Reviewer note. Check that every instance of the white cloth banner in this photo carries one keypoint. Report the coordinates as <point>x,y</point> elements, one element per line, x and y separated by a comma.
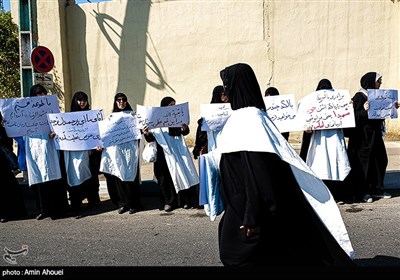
<point>168,116</point>
<point>76,131</point>
<point>27,116</point>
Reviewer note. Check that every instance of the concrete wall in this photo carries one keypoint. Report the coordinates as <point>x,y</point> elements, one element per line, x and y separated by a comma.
<point>151,49</point>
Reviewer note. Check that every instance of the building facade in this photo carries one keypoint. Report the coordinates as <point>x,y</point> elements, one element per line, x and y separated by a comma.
<point>151,49</point>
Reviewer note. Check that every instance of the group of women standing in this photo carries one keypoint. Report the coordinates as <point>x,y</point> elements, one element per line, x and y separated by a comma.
<point>355,172</point>
<point>266,189</point>
<point>57,176</point>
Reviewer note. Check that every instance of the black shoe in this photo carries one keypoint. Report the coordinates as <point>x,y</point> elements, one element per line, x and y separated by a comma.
<point>78,216</point>
<point>139,208</point>
<point>41,216</point>
<point>3,220</point>
<point>76,208</point>
<point>122,210</point>
<point>58,216</point>
<point>132,211</point>
<point>186,206</point>
<point>90,206</point>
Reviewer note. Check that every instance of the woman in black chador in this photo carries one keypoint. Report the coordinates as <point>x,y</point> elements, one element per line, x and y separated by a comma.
<point>120,165</point>
<point>268,219</point>
<point>174,169</point>
<point>12,205</point>
<point>366,148</point>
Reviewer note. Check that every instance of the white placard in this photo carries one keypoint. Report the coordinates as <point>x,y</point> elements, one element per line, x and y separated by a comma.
<point>214,115</point>
<point>282,110</point>
<point>76,131</point>
<point>382,104</point>
<point>118,128</point>
<point>326,109</point>
<point>168,116</point>
<point>27,116</point>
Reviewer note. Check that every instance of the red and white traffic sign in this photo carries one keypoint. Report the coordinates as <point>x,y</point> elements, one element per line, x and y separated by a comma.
<point>42,59</point>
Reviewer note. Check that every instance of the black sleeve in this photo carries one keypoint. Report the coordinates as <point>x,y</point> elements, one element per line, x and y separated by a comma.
<point>360,114</point>
<point>200,142</point>
<point>185,132</point>
<point>149,137</point>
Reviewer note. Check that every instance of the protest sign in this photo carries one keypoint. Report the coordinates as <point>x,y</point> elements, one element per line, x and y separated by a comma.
<point>382,104</point>
<point>76,131</point>
<point>168,116</point>
<point>214,115</point>
<point>118,128</point>
<point>282,110</point>
<point>326,109</point>
<point>28,115</point>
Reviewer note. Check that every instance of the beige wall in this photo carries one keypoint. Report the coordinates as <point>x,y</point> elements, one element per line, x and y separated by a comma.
<point>150,49</point>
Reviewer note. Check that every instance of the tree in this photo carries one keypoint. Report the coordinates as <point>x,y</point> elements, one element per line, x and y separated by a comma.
<point>10,82</point>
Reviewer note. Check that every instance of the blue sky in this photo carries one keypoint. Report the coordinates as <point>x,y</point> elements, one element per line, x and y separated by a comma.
<point>6,3</point>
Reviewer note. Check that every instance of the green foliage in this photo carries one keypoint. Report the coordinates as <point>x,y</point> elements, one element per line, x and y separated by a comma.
<point>10,86</point>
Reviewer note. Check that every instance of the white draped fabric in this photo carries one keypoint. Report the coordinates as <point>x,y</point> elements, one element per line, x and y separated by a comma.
<point>42,159</point>
<point>121,160</point>
<point>210,184</point>
<point>77,167</point>
<point>327,155</point>
<point>180,164</point>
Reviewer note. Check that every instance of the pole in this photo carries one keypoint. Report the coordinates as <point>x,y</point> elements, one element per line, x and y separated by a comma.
<point>27,24</point>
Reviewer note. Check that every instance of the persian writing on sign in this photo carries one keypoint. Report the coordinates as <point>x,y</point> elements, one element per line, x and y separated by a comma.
<point>214,115</point>
<point>282,110</point>
<point>76,131</point>
<point>118,128</point>
<point>168,116</point>
<point>28,115</point>
<point>326,109</point>
<point>382,104</point>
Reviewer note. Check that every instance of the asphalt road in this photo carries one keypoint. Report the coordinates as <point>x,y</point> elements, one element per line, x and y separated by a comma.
<point>183,242</point>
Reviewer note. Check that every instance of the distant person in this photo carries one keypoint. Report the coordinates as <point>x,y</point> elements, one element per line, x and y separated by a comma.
<point>272,91</point>
<point>22,157</point>
<point>277,212</point>
<point>305,142</point>
<point>120,165</point>
<point>174,169</point>
<point>12,205</point>
<point>366,148</point>
<point>77,166</point>
<point>205,151</point>
<point>327,154</point>
<point>44,171</point>
<point>202,143</point>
